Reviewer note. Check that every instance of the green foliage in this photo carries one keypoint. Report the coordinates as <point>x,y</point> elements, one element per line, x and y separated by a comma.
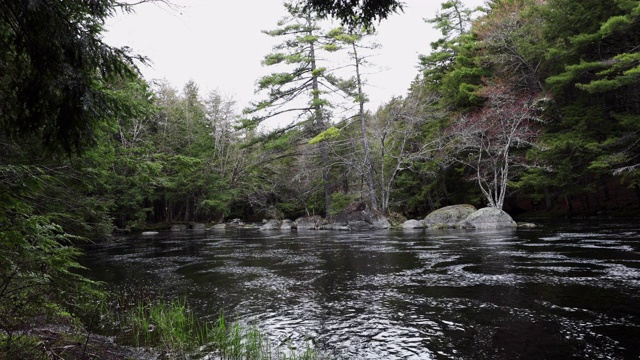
<point>56,70</point>
<point>331,133</point>
<point>38,268</point>
<point>354,13</point>
<point>174,327</point>
<point>339,201</point>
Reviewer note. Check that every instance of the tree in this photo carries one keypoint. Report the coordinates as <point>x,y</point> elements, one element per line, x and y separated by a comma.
<point>301,48</point>
<point>454,69</point>
<point>56,70</point>
<point>354,89</point>
<point>511,43</point>
<point>603,62</point>
<point>398,130</point>
<point>591,62</point>
<point>454,23</point>
<point>488,138</point>
<point>354,13</point>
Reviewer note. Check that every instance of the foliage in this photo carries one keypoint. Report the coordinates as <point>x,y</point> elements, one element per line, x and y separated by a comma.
<point>174,327</point>
<point>487,140</point>
<point>354,13</point>
<point>38,278</point>
<point>339,201</point>
<point>56,70</point>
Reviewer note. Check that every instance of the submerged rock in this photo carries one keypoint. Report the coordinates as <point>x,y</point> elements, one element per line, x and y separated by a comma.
<point>178,227</point>
<point>527,225</point>
<point>448,216</point>
<point>487,218</point>
<point>198,226</point>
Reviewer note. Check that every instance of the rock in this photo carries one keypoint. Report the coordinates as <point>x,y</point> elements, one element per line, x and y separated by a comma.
<point>309,223</point>
<point>360,216</point>
<point>448,216</point>
<point>396,219</point>
<point>198,226</point>
<point>286,225</point>
<point>413,224</point>
<point>218,227</point>
<point>487,218</point>
<point>178,227</point>
<point>149,233</point>
<point>334,226</point>
<point>527,225</point>
<point>271,225</point>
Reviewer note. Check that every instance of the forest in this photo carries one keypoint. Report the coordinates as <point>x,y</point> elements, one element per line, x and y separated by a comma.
<point>532,106</point>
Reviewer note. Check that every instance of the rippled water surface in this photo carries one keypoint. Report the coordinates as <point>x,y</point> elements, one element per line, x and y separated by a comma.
<point>559,291</point>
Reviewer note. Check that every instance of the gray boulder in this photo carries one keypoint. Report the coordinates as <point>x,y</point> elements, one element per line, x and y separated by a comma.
<point>448,216</point>
<point>487,218</point>
<point>360,216</point>
<point>413,224</point>
<point>286,225</point>
<point>218,227</point>
<point>309,223</point>
<point>271,225</point>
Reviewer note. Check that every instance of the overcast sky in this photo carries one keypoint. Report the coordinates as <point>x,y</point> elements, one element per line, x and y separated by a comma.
<point>219,44</point>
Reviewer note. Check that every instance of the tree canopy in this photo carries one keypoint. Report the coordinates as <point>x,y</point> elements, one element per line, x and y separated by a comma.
<point>56,70</point>
<point>354,13</point>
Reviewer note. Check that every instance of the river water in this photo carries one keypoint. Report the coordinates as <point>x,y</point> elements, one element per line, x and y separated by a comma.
<point>559,291</point>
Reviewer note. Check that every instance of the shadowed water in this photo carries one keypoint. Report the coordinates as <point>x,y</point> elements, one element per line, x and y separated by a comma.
<point>556,292</point>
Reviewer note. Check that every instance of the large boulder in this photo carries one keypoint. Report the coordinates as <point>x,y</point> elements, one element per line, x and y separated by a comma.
<point>286,224</point>
<point>360,216</point>
<point>488,218</point>
<point>448,216</point>
<point>218,226</point>
<point>413,224</point>
<point>271,225</point>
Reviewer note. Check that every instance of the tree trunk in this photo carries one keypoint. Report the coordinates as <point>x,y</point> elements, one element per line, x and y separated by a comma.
<point>324,157</point>
<point>365,143</point>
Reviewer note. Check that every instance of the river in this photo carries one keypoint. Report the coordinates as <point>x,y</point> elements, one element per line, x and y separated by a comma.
<point>559,291</point>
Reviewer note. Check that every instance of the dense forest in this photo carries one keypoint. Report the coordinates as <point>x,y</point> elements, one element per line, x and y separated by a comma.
<point>527,105</point>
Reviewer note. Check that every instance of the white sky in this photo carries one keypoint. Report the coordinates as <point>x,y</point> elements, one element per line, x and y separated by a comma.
<point>219,44</point>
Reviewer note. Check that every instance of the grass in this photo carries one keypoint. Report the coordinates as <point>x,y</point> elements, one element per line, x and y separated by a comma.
<point>172,327</point>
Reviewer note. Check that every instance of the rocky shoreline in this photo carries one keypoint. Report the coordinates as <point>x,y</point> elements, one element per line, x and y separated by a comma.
<point>360,216</point>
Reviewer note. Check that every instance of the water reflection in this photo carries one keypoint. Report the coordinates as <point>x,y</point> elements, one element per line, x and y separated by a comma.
<point>554,292</point>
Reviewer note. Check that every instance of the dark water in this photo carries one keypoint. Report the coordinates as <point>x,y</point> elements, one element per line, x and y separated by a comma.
<point>561,291</point>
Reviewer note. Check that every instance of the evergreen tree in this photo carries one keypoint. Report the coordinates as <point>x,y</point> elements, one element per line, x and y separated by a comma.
<point>300,49</point>
<point>55,70</point>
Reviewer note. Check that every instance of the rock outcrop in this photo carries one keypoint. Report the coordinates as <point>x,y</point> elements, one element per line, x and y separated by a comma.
<point>413,224</point>
<point>309,223</point>
<point>360,216</point>
<point>487,218</point>
<point>448,216</point>
<point>271,225</point>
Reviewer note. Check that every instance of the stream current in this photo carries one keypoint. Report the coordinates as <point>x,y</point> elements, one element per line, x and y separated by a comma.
<point>559,291</point>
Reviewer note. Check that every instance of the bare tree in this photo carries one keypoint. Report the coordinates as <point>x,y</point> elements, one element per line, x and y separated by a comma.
<point>486,140</point>
<point>401,143</point>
